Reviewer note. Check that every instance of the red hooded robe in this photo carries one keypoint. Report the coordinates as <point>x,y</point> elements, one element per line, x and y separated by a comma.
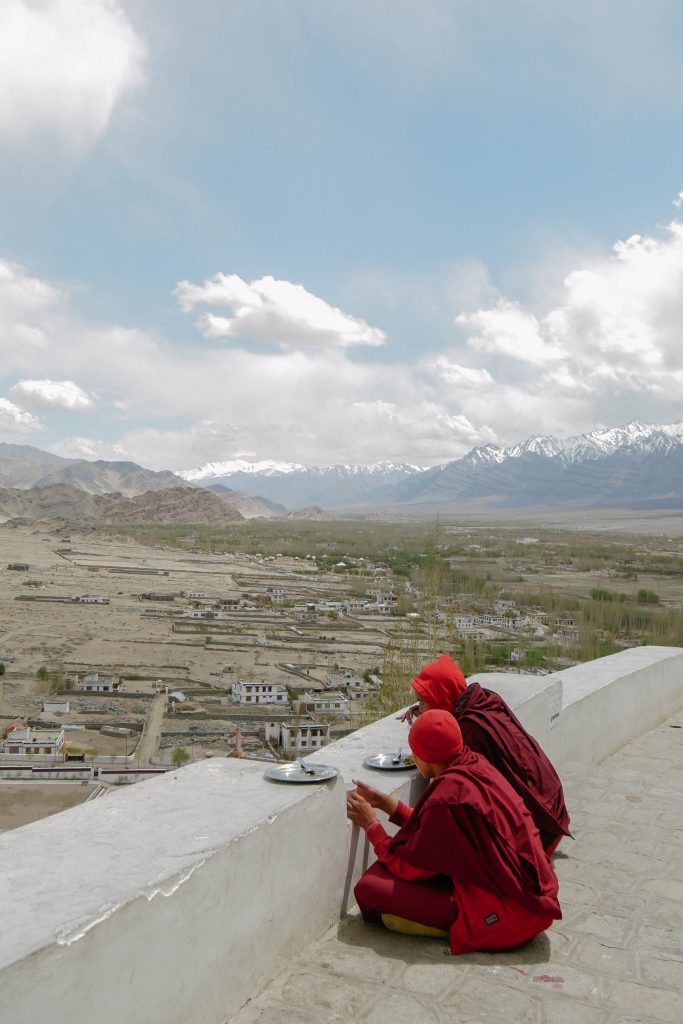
<point>490,728</point>
<point>470,826</point>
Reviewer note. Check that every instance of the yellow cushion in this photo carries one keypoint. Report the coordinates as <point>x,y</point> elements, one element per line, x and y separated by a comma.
<point>405,927</point>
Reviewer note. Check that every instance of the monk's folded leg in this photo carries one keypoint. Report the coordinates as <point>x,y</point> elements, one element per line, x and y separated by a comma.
<point>379,892</point>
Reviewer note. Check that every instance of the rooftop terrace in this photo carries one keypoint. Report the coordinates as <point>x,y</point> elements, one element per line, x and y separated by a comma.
<point>615,958</point>
<point>208,895</point>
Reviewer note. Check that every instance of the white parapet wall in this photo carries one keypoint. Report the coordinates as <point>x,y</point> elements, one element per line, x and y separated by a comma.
<point>608,702</point>
<point>174,901</point>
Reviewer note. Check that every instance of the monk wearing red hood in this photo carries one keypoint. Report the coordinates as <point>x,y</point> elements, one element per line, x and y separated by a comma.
<point>490,728</point>
<point>467,861</point>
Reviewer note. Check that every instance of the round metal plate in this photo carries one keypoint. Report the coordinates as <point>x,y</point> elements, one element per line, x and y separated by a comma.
<point>390,762</point>
<point>294,772</point>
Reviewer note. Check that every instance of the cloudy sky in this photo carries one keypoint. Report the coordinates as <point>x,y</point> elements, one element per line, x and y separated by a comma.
<point>340,231</point>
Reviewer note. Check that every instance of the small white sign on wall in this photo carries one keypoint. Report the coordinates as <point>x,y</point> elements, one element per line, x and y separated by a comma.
<point>554,707</point>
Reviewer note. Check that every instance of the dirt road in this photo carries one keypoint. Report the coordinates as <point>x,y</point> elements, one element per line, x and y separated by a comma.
<point>149,741</point>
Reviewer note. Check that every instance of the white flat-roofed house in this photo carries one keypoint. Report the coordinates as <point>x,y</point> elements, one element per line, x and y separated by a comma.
<point>263,692</point>
<point>496,621</point>
<point>352,685</point>
<point>90,599</point>
<point>326,703</point>
<point>95,683</point>
<point>349,683</point>
<point>198,594</point>
<point>278,595</point>
<point>300,736</point>
<point>28,742</point>
<point>202,613</point>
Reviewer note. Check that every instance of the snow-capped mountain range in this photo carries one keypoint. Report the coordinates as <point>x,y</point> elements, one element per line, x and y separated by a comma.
<point>636,464</point>
<point>594,445</point>
<point>218,470</point>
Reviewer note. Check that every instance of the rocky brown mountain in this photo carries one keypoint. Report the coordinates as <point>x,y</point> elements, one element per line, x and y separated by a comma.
<point>22,466</point>
<point>64,501</point>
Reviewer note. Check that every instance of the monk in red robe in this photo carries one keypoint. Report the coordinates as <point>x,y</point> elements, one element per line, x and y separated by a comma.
<point>490,728</point>
<point>467,860</point>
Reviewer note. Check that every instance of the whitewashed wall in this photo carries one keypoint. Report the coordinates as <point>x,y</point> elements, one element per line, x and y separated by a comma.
<point>176,900</point>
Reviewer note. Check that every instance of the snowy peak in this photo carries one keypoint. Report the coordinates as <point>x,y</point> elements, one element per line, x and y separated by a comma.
<point>485,455</point>
<point>212,470</point>
<point>605,441</point>
<point>373,469</point>
<point>596,444</point>
<point>538,445</point>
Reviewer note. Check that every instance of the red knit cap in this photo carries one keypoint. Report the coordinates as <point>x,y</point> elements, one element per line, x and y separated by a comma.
<point>435,737</point>
<point>440,683</point>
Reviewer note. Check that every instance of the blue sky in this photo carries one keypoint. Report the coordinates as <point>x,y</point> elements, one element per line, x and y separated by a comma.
<point>412,210</point>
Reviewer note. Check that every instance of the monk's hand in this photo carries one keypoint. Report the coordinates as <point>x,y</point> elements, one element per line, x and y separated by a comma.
<point>375,797</point>
<point>409,714</point>
<point>359,810</point>
<point>369,793</point>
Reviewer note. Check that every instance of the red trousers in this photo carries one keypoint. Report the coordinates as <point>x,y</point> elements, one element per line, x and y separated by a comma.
<point>379,892</point>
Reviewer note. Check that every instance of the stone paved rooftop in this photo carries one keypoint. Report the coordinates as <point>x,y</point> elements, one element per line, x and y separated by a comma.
<point>615,958</point>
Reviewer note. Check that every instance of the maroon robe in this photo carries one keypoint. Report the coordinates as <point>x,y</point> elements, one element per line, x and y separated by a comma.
<point>489,727</point>
<point>472,827</point>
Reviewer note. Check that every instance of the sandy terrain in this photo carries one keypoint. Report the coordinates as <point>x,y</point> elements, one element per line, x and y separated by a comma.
<point>23,802</point>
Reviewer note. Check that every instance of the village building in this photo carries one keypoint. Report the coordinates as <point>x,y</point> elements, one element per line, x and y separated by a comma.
<point>326,703</point>
<point>95,683</point>
<point>202,613</point>
<point>90,599</point>
<point>199,594</point>
<point>349,683</point>
<point>26,742</point>
<point>300,736</point>
<point>19,566</point>
<point>263,692</point>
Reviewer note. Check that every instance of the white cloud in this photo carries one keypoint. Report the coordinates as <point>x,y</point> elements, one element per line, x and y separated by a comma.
<point>461,376</point>
<point>276,311</point>
<point>87,448</point>
<point>613,332</point>
<point>14,420</point>
<point>508,330</point>
<point>604,348</point>
<point>52,394</point>
<point>20,293</point>
<point>64,66</point>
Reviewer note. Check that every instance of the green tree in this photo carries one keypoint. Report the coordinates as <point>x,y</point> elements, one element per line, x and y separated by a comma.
<point>180,757</point>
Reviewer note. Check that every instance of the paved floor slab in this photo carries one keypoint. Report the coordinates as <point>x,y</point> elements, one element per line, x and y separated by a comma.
<point>616,957</point>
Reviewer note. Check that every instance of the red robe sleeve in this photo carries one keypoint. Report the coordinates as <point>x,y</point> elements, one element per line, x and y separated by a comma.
<point>392,861</point>
<point>401,814</point>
